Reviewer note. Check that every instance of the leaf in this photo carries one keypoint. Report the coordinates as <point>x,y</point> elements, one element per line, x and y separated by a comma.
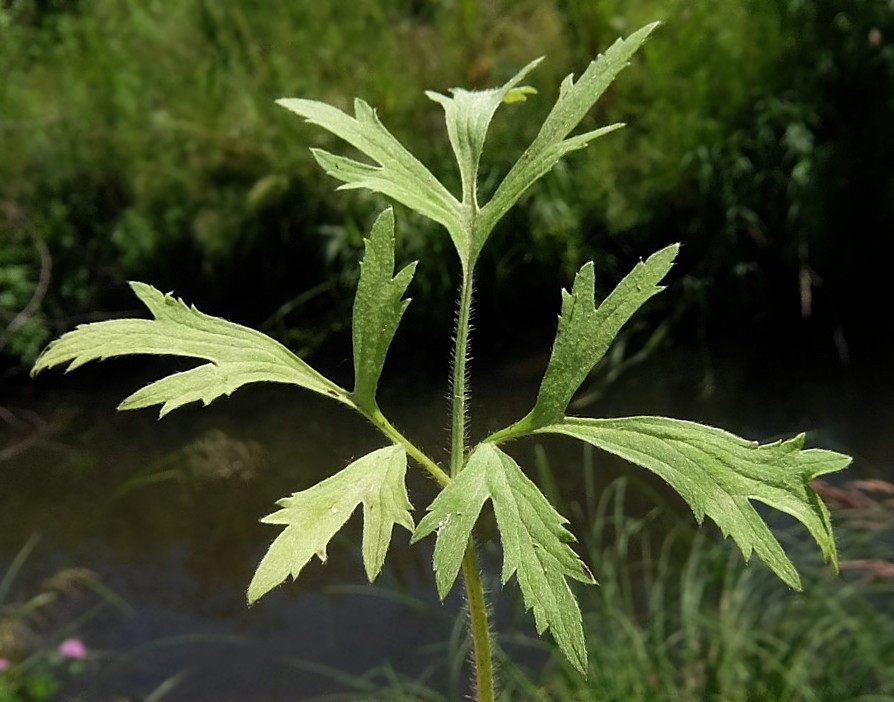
<point>313,516</point>
<point>550,144</point>
<point>586,331</point>
<point>468,115</point>
<point>378,308</point>
<point>398,175</point>
<point>238,355</point>
<point>719,474</point>
<point>535,542</point>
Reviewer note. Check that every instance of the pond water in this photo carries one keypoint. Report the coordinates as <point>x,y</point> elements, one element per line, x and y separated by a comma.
<point>166,512</point>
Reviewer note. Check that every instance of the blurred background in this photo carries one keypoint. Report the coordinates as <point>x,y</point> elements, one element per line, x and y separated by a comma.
<point>139,140</point>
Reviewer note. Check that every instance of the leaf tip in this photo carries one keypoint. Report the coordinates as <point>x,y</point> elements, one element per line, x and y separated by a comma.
<point>39,365</point>
<point>262,582</point>
<point>669,253</point>
<point>255,592</point>
<point>644,32</point>
<point>444,584</point>
<point>436,97</point>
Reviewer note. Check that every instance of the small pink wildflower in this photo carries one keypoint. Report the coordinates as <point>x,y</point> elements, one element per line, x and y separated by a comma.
<point>72,649</point>
<point>4,664</point>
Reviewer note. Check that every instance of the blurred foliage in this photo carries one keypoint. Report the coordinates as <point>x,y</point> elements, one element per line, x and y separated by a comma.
<point>37,658</point>
<point>680,616</point>
<point>140,141</point>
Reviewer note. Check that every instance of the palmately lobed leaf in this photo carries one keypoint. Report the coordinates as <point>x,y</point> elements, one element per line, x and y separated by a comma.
<point>720,474</point>
<point>238,355</point>
<point>378,308</point>
<point>313,516</point>
<point>535,542</point>
<point>396,173</point>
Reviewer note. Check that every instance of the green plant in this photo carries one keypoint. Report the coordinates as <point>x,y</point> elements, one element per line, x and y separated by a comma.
<point>37,655</point>
<point>717,473</point>
<point>678,605</point>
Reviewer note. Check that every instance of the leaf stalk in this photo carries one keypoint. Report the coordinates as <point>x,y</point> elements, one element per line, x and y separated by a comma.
<point>380,421</point>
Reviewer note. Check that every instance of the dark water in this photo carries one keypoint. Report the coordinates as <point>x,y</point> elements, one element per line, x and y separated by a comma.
<point>166,512</point>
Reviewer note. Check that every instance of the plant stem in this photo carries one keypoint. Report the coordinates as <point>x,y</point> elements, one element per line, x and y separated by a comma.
<point>481,644</point>
<point>459,390</point>
<point>381,422</point>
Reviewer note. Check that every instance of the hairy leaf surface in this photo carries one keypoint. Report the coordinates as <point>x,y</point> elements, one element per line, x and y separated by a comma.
<point>399,174</point>
<point>586,331</point>
<point>468,114</point>
<point>378,308</point>
<point>720,474</point>
<point>312,517</point>
<point>238,355</point>
<point>550,144</point>
<point>535,542</point>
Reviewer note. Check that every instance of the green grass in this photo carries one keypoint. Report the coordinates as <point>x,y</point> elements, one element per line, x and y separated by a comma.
<point>680,617</point>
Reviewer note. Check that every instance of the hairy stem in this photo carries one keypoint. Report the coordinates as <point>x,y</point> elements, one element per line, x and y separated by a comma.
<point>458,385</point>
<point>478,619</point>
<point>481,644</point>
<point>387,428</point>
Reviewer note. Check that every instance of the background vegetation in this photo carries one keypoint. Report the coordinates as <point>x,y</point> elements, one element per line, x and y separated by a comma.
<point>679,617</point>
<point>139,139</point>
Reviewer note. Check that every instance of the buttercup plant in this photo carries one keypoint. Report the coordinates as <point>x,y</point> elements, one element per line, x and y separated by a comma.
<point>717,473</point>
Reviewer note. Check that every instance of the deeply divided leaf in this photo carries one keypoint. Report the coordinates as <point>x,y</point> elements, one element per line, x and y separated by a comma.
<point>468,114</point>
<point>312,517</point>
<point>535,542</point>
<point>720,474</point>
<point>378,308</point>
<point>586,331</point>
<point>552,142</point>
<point>238,355</point>
<point>396,172</point>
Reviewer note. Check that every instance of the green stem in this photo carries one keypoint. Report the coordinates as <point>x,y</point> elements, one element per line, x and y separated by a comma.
<point>381,422</point>
<point>523,426</point>
<point>481,643</point>
<point>459,390</point>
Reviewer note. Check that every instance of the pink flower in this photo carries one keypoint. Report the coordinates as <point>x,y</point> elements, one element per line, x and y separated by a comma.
<point>72,649</point>
<point>4,664</point>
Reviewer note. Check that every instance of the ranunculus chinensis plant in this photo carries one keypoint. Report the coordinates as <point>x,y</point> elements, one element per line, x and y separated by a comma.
<point>718,474</point>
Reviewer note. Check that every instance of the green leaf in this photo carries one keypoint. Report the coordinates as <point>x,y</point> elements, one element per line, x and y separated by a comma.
<point>313,516</point>
<point>586,331</point>
<point>398,175</point>
<point>535,542</point>
<point>468,115</point>
<point>719,474</point>
<point>238,355</point>
<point>550,145</point>
<point>378,308</point>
